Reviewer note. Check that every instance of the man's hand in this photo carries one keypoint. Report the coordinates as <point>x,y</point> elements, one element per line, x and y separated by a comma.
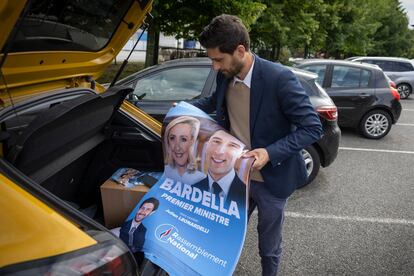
<point>261,156</point>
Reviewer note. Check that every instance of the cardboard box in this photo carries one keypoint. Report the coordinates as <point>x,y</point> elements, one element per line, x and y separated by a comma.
<point>118,201</point>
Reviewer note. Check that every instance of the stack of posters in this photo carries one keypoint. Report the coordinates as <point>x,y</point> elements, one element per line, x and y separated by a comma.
<point>193,221</point>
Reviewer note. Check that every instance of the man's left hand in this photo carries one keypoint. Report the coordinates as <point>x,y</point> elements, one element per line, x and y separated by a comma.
<point>261,156</point>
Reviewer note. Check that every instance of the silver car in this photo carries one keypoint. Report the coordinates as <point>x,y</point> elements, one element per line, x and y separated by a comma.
<point>399,70</point>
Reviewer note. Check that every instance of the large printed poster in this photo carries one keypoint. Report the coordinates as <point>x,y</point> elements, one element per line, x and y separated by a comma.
<point>194,219</point>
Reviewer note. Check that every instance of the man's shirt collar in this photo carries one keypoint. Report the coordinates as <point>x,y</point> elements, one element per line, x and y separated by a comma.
<point>248,79</point>
<point>134,223</point>
<point>224,182</point>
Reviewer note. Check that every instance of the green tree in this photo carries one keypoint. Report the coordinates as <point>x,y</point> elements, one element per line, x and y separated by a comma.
<point>392,37</point>
<point>186,19</point>
<point>352,33</point>
<point>294,24</point>
<point>270,32</point>
<point>306,19</point>
<point>336,28</point>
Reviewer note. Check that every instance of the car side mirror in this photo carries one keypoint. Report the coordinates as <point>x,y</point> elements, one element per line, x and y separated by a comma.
<point>135,98</point>
<point>140,97</point>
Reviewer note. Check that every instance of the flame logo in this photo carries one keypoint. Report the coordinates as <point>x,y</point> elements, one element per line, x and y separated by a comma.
<point>166,233</point>
<point>163,231</point>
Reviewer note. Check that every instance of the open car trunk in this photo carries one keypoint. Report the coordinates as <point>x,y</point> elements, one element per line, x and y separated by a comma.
<point>70,147</point>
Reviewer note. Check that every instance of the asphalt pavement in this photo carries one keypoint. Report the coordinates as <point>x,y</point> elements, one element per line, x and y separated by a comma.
<point>357,217</point>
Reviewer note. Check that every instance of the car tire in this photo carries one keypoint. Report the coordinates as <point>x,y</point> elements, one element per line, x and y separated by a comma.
<point>375,124</point>
<point>404,89</point>
<point>312,163</point>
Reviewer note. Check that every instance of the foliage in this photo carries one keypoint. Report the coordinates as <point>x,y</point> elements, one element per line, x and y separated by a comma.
<point>351,35</point>
<point>392,36</point>
<point>329,28</point>
<point>186,19</point>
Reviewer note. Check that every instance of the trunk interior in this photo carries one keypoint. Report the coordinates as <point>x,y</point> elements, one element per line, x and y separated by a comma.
<point>71,147</point>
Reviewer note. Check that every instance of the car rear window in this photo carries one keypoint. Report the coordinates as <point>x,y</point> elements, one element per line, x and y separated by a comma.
<point>392,66</point>
<point>310,87</point>
<point>403,67</point>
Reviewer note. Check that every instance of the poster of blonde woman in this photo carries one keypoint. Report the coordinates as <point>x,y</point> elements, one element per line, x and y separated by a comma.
<point>180,138</point>
<point>200,224</point>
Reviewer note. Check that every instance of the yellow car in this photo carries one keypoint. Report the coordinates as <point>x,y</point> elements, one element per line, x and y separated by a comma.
<point>62,135</point>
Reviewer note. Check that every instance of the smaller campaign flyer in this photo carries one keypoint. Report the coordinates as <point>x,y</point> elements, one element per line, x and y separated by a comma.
<point>193,220</point>
<point>129,177</point>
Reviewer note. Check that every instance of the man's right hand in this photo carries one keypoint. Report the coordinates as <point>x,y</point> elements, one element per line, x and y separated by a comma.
<point>261,157</point>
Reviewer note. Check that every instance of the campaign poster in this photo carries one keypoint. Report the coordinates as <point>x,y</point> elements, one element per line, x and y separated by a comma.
<point>193,220</point>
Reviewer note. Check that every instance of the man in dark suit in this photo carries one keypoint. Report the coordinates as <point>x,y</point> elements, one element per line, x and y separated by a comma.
<point>263,104</point>
<point>222,151</point>
<point>132,232</point>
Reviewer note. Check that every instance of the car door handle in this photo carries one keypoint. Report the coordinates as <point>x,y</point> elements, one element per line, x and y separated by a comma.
<point>364,95</point>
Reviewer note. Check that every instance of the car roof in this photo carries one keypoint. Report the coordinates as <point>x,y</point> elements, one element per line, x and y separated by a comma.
<point>383,58</point>
<point>195,60</point>
<point>202,61</point>
<point>339,62</point>
<point>178,62</point>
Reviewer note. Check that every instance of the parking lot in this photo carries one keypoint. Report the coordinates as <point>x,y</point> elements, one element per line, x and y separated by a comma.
<point>357,217</point>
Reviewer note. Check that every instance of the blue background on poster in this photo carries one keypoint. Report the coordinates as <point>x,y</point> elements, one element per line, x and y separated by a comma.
<point>184,242</point>
<point>180,238</point>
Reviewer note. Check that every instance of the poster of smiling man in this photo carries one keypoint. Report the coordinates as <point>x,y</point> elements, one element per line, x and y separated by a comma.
<point>200,222</point>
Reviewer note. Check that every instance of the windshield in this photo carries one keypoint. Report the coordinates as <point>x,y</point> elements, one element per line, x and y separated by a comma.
<point>69,25</point>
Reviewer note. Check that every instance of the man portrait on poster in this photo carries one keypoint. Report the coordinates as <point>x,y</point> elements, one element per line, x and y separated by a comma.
<point>132,232</point>
<point>222,151</point>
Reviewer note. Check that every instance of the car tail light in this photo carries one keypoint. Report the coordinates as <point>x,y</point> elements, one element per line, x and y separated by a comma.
<point>394,90</point>
<point>330,112</point>
<point>395,93</point>
<point>99,260</point>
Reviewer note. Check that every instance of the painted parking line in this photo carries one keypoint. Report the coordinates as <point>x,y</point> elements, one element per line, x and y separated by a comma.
<point>351,218</point>
<point>404,124</point>
<point>377,150</point>
<point>412,110</point>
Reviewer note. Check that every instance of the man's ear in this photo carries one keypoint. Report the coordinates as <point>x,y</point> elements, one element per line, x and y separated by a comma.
<point>240,51</point>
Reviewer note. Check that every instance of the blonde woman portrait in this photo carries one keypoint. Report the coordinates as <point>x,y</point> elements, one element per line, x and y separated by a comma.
<point>180,157</point>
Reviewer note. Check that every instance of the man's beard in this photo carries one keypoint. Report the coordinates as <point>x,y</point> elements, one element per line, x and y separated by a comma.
<point>235,69</point>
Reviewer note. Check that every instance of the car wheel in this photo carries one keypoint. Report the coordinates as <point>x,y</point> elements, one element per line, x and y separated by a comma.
<point>404,90</point>
<point>375,124</point>
<point>312,163</point>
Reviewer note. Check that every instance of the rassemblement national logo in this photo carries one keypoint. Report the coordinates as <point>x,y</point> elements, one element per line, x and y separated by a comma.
<point>168,233</point>
<point>163,231</point>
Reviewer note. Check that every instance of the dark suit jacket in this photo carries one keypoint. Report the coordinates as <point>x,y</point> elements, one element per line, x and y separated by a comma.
<point>282,120</point>
<point>138,238</point>
<point>237,191</point>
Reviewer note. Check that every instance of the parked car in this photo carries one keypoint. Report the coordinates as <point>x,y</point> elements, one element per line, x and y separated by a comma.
<point>362,93</point>
<point>400,71</point>
<point>158,87</point>
<point>62,136</point>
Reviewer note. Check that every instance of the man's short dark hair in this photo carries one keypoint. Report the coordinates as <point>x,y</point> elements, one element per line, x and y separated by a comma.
<point>225,32</point>
<point>152,200</point>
